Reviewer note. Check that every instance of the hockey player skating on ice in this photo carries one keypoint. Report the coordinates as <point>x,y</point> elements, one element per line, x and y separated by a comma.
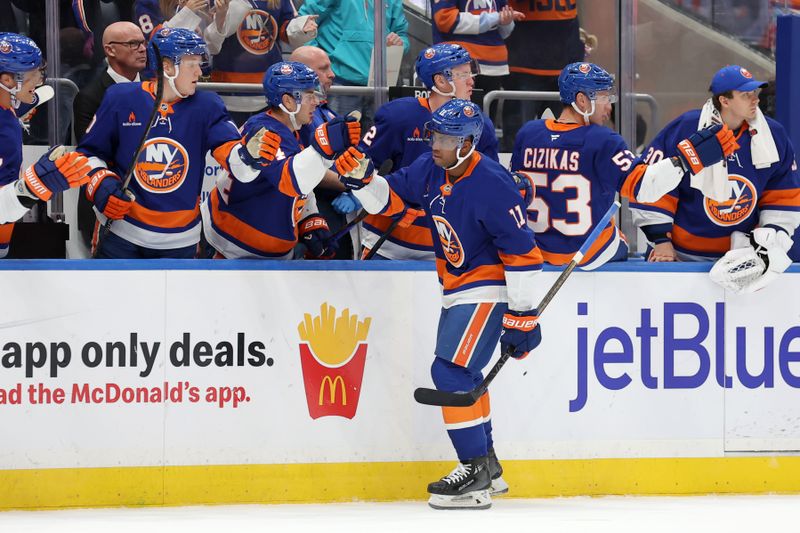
<point>263,218</point>
<point>57,170</point>
<point>486,259</point>
<point>160,214</point>
<point>578,165</point>
<point>743,210</point>
<point>448,71</point>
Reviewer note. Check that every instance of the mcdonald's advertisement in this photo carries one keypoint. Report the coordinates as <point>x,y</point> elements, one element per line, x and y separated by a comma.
<point>194,367</point>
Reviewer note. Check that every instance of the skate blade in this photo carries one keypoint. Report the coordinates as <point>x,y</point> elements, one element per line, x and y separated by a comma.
<point>475,500</point>
<point>499,487</point>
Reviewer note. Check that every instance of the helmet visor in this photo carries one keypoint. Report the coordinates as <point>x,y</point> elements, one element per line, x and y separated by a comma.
<point>442,141</point>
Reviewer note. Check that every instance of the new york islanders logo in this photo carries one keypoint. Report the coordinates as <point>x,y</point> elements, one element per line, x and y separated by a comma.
<point>738,207</point>
<point>469,111</point>
<point>585,68</point>
<point>746,73</point>
<point>451,244</point>
<point>257,32</point>
<point>477,5</point>
<point>162,166</point>
<point>429,53</point>
<point>5,47</point>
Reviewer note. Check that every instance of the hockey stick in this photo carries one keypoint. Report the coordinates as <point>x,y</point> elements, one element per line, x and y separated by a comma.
<point>383,237</point>
<point>465,399</point>
<point>104,229</point>
<point>346,228</point>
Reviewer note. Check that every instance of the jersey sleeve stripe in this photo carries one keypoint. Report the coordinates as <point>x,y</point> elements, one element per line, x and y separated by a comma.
<point>222,152</point>
<point>288,184</point>
<point>780,198</point>
<point>629,186</point>
<point>446,19</point>
<point>532,260</point>
<point>667,204</point>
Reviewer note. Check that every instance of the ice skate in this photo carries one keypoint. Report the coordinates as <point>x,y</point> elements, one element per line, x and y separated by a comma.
<point>499,486</point>
<point>466,487</point>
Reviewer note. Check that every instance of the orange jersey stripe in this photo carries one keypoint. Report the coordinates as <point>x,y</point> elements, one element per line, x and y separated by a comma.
<point>495,54</point>
<point>459,415</point>
<point>562,259</point>
<point>223,151</point>
<point>412,234</point>
<point>481,273</point>
<point>164,219</point>
<point>629,186</point>
<point>5,232</point>
<point>237,77</point>
<point>246,233</point>
<point>667,203</point>
<point>552,125</point>
<point>533,257</point>
<point>486,408</point>
<point>473,333</point>
<point>688,241</point>
<point>445,19</point>
<point>286,185</point>
<point>780,197</point>
<point>535,71</point>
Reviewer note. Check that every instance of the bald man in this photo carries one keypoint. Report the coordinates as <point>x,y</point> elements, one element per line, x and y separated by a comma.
<point>126,52</point>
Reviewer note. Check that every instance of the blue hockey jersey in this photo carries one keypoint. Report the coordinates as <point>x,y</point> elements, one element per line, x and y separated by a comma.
<point>484,250</point>
<point>168,174</point>
<point>259,219</point>
<point>10,163</point>
<point>700,227</point>
<point>577,171</point>
<point>399,136</point>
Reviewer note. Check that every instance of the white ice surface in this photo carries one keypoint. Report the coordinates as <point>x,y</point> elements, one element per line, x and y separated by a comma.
<point>707,514</point>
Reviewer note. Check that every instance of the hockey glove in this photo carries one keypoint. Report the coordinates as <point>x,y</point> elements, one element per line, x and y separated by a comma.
<point>105,192</point>
<point>336,136</point>
<point>260,148</point>
<point>355,169</point>
<point>754,261</point>
<point>346,203</point>
<point>521,333</point>
<point>316,236</point>
<point>707,147</point>
<point>55,171</point>
<point>525,186</point>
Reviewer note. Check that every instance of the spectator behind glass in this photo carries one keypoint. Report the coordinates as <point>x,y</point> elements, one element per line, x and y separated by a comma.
<point>123,44</point>
<point>481,28</point>
<point>546,41</point>
<point>153,14</point>
<point>346,31</point>
<point>244,39</point>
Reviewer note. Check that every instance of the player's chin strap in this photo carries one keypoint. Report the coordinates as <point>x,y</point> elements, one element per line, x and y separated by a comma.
<point>584,115</point>
<point>13,92</point>
<point>292,114</point>
<point>452,93</point>
<point>460,159</point>
<point>171,81</point>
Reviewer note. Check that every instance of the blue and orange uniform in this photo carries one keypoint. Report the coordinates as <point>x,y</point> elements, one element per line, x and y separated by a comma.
<point>459,22</point>
<point>398,136</point>
<point>700,227</point>
<point>486,257</point>
<point>10,163</point>
<point>168,174</point>
<point>577,171</point>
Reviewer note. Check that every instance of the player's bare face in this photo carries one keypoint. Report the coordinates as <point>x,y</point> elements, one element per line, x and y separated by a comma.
<point>463,81</point>
<point>743,105</point>
<point>188,74</point>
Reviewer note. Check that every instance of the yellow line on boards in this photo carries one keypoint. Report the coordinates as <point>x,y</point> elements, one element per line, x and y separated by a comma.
<point>338,482</point>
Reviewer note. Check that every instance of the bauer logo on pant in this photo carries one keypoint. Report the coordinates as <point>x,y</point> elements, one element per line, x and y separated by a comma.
<point>162,166</point>
<point>333,352</point>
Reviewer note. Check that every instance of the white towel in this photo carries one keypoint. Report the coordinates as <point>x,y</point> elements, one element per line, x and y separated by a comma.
<point>713,181</point>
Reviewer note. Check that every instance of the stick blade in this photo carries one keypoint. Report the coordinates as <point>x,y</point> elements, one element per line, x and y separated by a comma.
<point>444,399</point>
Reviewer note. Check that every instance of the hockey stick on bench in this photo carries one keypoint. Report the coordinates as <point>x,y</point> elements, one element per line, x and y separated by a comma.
<point>465,399</point>
<point>158,97</point>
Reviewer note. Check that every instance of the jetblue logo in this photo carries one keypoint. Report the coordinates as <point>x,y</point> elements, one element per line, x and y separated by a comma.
<point>616,357</point>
